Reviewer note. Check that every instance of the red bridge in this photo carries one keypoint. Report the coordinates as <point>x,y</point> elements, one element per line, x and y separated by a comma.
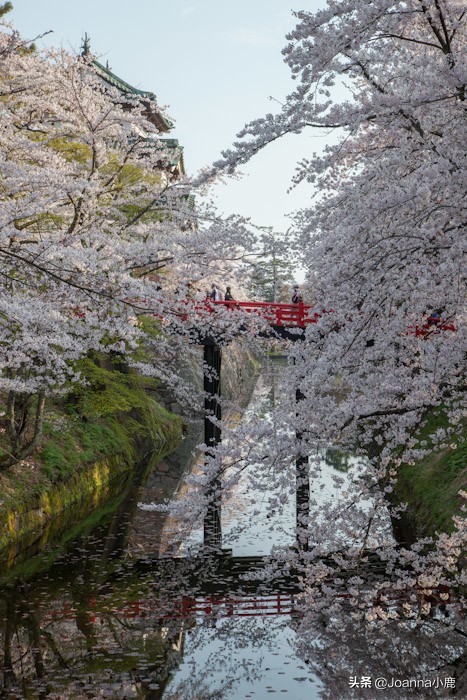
<point>276,313</point>
<point>300,315</point>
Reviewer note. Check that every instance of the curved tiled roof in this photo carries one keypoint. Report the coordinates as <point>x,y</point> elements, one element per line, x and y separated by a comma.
<point>153,114</point>
<point>149,98</point>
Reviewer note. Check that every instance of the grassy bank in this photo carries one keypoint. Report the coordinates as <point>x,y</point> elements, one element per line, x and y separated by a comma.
<point>431,486</point>
<point>94,434</point>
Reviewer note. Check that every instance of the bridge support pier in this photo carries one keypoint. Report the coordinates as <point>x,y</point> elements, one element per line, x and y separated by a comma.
<point>212,437</point>
<point>302,489</point>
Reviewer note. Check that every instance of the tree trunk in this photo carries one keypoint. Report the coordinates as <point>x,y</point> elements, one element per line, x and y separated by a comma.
<point>18,428</point>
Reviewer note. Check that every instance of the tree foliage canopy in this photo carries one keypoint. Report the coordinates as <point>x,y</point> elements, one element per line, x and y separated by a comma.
<point>95,232</point>
<point>384,245</point>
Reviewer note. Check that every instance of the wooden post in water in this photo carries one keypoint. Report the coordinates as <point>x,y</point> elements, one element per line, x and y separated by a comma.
<point>302,488</point>
<point>212,437</point>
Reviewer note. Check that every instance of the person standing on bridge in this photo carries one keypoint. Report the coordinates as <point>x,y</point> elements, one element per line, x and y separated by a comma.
<point>215,294</point>
<point>296,296</point>
<point>228,295</point>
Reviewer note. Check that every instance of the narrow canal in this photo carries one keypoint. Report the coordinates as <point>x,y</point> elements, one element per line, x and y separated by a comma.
<point>98,616</point>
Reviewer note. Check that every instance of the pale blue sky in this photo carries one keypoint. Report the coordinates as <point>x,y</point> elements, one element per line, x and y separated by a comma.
<point>215,63</point>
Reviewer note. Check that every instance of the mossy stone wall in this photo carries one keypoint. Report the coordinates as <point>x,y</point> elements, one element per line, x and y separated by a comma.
<point>431,488</point>
<point>93,438</point>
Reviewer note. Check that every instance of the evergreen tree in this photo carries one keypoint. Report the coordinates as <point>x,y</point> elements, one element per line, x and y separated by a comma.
<point>271,276</point>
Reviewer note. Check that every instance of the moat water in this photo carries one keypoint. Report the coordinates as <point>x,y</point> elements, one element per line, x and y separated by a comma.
<point>93,615</point>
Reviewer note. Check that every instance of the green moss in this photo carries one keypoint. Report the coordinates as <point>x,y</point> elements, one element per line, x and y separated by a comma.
<point>112,414</point>
<point>63,530</point>
<point>431,486</point>
<point>98,430</point>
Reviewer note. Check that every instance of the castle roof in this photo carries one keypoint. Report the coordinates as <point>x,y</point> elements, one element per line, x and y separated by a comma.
<point>149,99</point>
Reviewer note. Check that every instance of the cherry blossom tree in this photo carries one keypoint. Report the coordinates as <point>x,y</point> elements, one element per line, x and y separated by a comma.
<point>95,233</point>
<point>384,248</point>
<point>384,243</point>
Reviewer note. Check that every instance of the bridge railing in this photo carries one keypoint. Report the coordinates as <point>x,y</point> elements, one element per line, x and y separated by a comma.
<point>276,313</point>
<point>431,328</point>
<point>295,315</point>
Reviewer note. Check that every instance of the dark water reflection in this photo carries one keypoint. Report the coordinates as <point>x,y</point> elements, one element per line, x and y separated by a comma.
<point>103,617</point>
<point>99,625</point>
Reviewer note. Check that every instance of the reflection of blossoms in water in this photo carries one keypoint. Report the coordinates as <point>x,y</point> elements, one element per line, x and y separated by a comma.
<point>337,648</point>
<point>195,689</point>
<point>222,668</point>
<point>238,658</point>
<point>173,629</point>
